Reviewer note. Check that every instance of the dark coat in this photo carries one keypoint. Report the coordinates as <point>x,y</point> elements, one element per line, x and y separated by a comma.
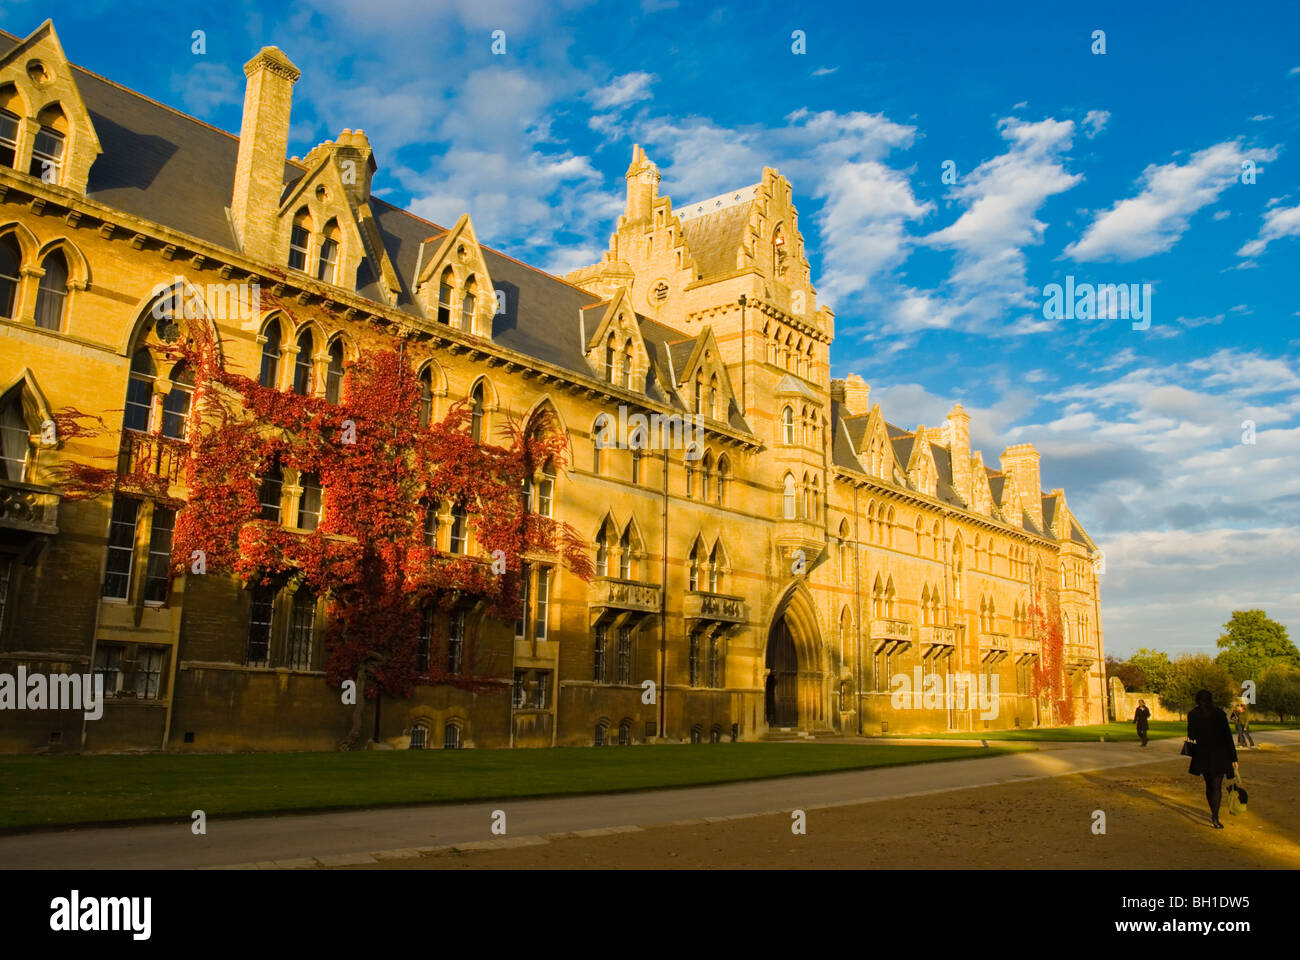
<point>1141,715</point>
<point>1215,750</point>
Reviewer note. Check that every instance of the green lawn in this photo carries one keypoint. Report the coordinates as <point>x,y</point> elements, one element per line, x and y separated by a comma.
<point>40,791</point>
<point>1118,732</point>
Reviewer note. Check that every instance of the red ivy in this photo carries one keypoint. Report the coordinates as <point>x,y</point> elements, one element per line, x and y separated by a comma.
<point>380,470</point>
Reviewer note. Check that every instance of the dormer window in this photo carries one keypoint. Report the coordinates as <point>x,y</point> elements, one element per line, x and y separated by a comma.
<point>627,366</point>
<point>299,237</point>
<point>444,297</point>
<point>47,155</point>
<point>610,354</point>
<point>328,261</point>
<point>467,312</point>
<point>8,138</point>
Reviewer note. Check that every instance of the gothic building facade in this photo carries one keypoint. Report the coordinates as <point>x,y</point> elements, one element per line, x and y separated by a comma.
<point>782,574</point>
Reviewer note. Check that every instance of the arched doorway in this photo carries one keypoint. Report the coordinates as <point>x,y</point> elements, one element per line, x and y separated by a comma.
<point>782,677</point>
<point>796,691</point>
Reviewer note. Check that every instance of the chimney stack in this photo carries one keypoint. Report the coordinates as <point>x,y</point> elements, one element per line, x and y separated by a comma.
<point>957,433</point>
<point>263,143</point>
<point>1021,462</point>
<point>857,395</point>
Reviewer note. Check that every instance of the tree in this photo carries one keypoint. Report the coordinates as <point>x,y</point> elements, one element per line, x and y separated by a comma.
<point>1251,643</point>
<point>1279,692</point>
<point>1195,672</point>
<point>1128,674</point>
<point>1154,666</point>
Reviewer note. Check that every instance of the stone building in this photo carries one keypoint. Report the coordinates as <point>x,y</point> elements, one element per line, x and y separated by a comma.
<point>778,583</point>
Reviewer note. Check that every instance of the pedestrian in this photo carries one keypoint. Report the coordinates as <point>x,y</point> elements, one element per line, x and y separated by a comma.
<point>1141,715</point>
<point>1245,725</point>
<point>1214,755</point>
<point>1239,721</point>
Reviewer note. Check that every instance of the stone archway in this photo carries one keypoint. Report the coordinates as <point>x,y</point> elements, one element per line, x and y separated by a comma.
<point>795,694</point>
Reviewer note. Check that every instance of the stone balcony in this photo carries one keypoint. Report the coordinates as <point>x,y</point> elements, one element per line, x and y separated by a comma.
<point>994,647</point>
<point>889,629</point>
<point>1078,654</point>
<point>28,507</point>
<point>610,596</point>
<point>152,456</point>
<point>939,636</point>
<point>714,607</point>
<point>1026,645</point>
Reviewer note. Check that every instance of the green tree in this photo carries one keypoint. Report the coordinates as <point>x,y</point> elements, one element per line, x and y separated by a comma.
<point>1251,643</point>
<point>1279,692</point>
<point>1195,672</point>
<point>1131,676</point>
<point>1154,666</point>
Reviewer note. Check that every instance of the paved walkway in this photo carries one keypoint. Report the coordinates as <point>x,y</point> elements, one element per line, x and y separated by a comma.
<point>363,835</point>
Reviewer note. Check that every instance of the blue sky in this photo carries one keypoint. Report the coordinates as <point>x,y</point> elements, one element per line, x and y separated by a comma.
<point>1123,168</point>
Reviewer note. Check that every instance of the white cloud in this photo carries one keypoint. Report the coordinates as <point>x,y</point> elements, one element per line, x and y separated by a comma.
<point>1279,222</point>
<point>206,87</point>
<point>622,90</point>
<point>1095,121</point>
<point>824,71</point>
<point>1154,220</point>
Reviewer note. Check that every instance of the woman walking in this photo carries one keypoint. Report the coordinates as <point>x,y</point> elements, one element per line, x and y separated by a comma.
<point>1215,755</point>
<point>1141,717</point>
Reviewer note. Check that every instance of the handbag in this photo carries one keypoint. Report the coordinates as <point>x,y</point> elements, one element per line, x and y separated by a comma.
<point>1189,748</point>
<point>1237,797</point>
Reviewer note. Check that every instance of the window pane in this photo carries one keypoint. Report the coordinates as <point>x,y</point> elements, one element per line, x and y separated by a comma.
<point>52,293</point>
<point>108,661</point>
<point>15,442</point>
<point>302,627</point>
<point>270,494</point>
<point>121,548</point>
<point>298,248</point>
<point>8,138</point>
<point>543,597</point>
<point>148,673</point>
<point>455,641</point>
<point>160,554</point>
<point>259,626</point>
<point>176,412</point>
<point>309,504</point>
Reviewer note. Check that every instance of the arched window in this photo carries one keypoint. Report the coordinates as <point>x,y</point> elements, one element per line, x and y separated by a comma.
<point>15,451</point>
<point>699,391</point>
<point>724,478</point>
<point>327,264</point>
<point>925,606</point>
<point>627,365</point>
<point>9,132</point>
<point>468,303</point>
<point>625,554</point>
<point>690,477</point>
<point>787,425</point>
<point>714,569</point>
<point>625,733</point>
<point>52,294</point>
<point>878,598</point>
<point>937,538</point>
<point>451,736</point>
<point>706,472</point>
<point>806,507</point>
<point>299,239</point>
<point>10,274</point>
<point>270,493</point>
<point>846,553</point>
<point>546,490</point>
<point>602,551</point>
<point>334,377</point>
<point>176,405</point>
<point>598,739</point>
<point>477,410</point>
<point>444,297</point>
<point>890,594</point>
<point>789,498</point>
<point>889,528</point>
<point>693,568</point>
<point>420,736</point>
<point>426,396</point>
<point>47,151</point>
<point>599,439</point>
<point>956,569</point>
<point>139,393</point>
<point>269,375</point>
<point>302,364</point>
<point>714,412</point>
<point>611,357</point>
<point>309,503</point>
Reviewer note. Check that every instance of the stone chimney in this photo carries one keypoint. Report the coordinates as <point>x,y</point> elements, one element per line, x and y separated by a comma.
<point>263,142</point>
<point>642,186</point>
<point>1021,461</point>
<point>957,433</point>
<point>857,395</point>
